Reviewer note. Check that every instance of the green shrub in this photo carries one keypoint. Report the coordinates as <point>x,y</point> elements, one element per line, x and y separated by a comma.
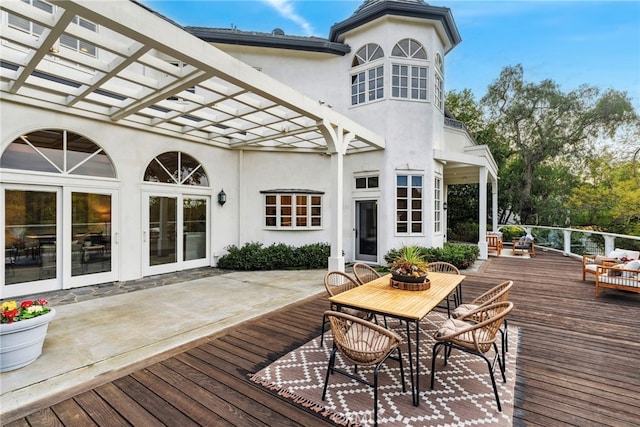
<point>278,256</point>
<point>464,232</point>
<point>313,256</point>
<point>510,232</point>
<point>459,254</point>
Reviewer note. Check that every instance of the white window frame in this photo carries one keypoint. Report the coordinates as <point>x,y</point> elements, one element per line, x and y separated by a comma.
<point>410,210</point>
<point>438,92</point>
<point>294,215</point>
<point>370,181</point>
<point>437,205</point>
<point>367,77</point>
<point>414,87</point>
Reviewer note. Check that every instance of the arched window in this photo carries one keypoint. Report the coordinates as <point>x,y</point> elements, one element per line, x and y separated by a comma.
<point>409,80</point>
<point>57,151</point>
<point>409,48</point>
<point>175,167</point>
<point>439,83</point>
<point>367,78</point>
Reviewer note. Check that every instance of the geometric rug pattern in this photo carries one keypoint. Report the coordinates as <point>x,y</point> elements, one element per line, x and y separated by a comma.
<point>462,395</point>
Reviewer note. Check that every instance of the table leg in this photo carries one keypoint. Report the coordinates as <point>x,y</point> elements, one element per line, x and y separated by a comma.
<point>416,397</point>
<point>415,379</point>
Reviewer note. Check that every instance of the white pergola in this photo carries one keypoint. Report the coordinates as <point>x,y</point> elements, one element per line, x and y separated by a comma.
<point>149,74</point>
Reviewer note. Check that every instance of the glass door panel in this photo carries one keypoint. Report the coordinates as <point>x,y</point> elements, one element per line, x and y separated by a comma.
<point>31,230</point>
<point>367,230</point>
<point>90,233</point>
<point>194,228</point>
<point>162,230</point>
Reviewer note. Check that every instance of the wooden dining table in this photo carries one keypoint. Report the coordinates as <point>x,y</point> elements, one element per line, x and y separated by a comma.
<point>379,297</point>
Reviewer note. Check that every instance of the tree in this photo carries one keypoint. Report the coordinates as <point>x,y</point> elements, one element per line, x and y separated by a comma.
<point>609,197</point>
<point>543,125</point>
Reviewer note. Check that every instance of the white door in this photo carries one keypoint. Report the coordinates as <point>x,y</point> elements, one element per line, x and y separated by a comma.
<point>57,238</point>
<point>176,232</point>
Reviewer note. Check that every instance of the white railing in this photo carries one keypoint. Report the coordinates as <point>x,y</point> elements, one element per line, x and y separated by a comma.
<point>575,242</point>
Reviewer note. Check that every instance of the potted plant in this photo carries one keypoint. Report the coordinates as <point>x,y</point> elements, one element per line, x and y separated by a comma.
<point>23,328</point>
<point>409,265</point>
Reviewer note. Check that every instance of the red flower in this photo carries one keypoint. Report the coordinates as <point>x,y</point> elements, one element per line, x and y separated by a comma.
<point>26,304</point>
<point>10,315</point>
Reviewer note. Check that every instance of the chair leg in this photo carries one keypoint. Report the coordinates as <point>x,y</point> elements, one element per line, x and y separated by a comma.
<point>434,355</point>
<point>332,361</point>
<point>493,380</point>
<point>324,322</point>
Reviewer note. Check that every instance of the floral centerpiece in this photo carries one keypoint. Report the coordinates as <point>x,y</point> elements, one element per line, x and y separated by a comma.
<point>409,265</point>
<point>12,312</point>
<point>23,329</point>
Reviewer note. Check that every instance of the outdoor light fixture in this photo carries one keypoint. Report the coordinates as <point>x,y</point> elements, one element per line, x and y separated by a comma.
<point>222,198</point>
<point>444,206</point>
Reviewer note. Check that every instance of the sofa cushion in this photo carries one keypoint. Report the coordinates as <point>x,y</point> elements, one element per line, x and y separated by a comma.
<point>618,253</point>
<point>630,254</point>
<point>633,265</point>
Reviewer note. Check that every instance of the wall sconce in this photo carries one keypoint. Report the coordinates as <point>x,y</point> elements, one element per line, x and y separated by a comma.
<point>222,198</point>
<point>444,206</point>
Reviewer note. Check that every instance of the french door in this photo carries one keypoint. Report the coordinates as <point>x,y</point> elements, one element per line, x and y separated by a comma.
<point>57,238</point>
<point>176,232</point>
<point>366,239</point>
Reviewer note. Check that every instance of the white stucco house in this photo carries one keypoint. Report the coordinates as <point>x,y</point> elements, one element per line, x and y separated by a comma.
<point>132,146</point>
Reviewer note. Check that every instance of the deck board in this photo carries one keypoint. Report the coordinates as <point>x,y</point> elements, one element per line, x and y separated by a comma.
<point>577,362</point>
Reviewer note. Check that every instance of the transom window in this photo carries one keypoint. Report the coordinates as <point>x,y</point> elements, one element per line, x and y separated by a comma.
<point>366,182</point>
<point>292,209</point>
<point>367,84</point>
<point>409,204</point>
<point>409,48</point>
<point>175,167</point>
<point>57,151</point>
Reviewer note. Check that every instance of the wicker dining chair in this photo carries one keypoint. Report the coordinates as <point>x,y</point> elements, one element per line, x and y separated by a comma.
<point>362,343</point>
<point>364,273</point>
<point>336,282</point>
<point>474,333</point>
<point>445,267</point>
<point>499,293</point>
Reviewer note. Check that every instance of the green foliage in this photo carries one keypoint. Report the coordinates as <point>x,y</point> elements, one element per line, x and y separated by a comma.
<point>313,256</point>
<point>544,125</point>
<point>278,256</point>
<point>609,197</point>
<point>510,232</point>
<point>461,255</point>
<point>464,231</point>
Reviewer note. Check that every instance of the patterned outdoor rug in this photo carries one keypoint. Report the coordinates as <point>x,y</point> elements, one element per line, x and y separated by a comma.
<point>462,395</point>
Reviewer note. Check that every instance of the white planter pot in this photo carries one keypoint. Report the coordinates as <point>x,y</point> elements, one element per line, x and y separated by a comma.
<point>21,342</point>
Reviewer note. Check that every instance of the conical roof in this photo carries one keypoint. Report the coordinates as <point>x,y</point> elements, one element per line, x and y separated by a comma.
<point>367,3</point>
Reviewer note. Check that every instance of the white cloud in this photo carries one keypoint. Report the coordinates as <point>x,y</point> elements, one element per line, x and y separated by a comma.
<point>287,10</point>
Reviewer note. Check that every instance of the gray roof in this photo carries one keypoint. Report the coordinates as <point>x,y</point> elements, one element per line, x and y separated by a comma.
<point>276,39</point>
<point>371,10</point>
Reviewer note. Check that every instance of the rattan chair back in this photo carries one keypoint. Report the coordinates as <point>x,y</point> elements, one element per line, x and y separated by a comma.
<point>484,325</point>
<point>498,293</point>
<point>336,282</point>
<point>361,342</point>
<point>364,273</point>
<point>443,267</point>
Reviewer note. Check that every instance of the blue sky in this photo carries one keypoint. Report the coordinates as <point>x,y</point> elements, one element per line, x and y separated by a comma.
<point>570,42</point>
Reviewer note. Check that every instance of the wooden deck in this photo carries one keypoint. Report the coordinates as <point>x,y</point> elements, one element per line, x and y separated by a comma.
<point>578,361</point>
